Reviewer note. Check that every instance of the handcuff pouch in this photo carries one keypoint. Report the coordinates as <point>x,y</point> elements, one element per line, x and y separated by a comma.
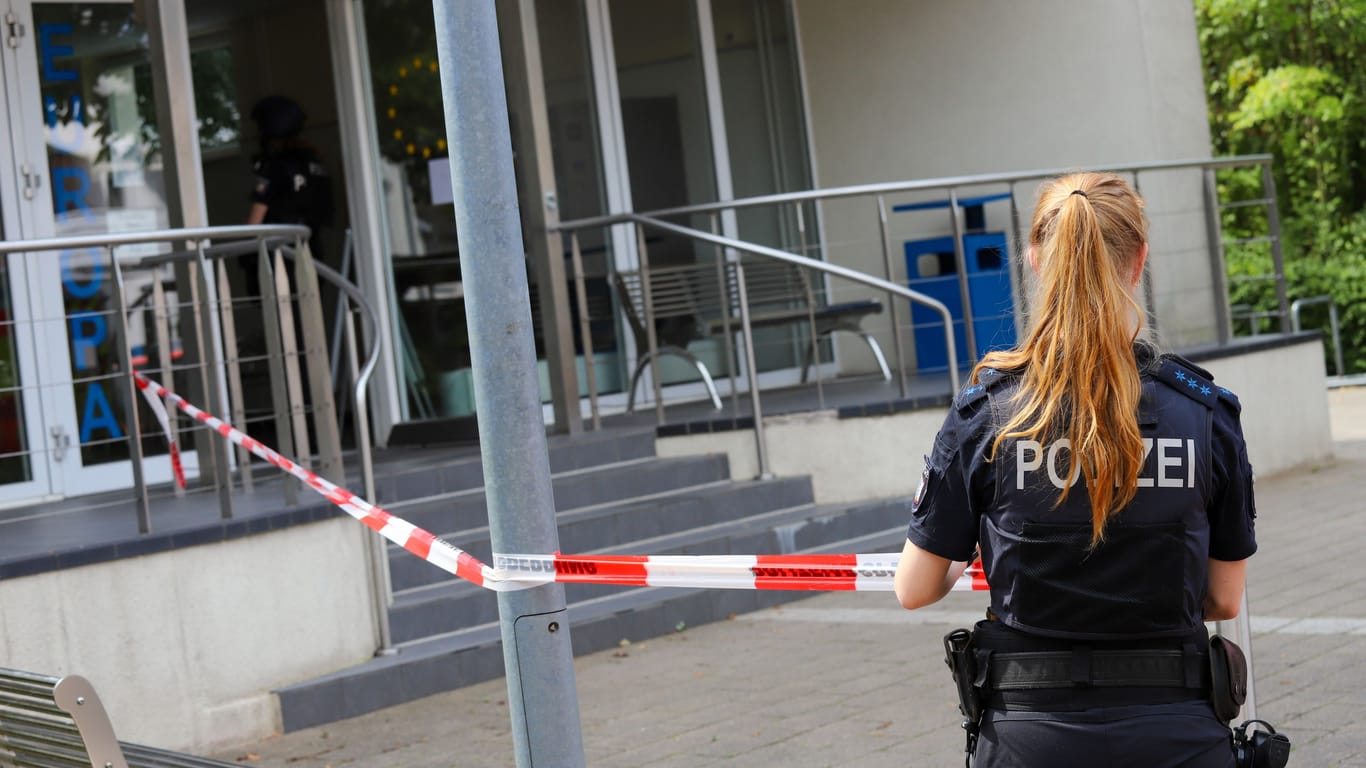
<point>1228,677</point>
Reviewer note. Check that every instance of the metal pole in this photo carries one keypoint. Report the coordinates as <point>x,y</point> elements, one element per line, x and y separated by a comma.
<point>1296,326</point>
<point>585,329</point>
<point>345,271</point>
<point>1017,268</point>
<point>130,395</point>
<point>1239,630</point>
<point>1214,233</point>
<point>1273,220</point>
<point>960,257</point>
<point>747,330</point>
<point>651,334</point>
<point>379,549</point>
<point>1337,337</point>
<point>892,303</point>
<point>211,362</point>
<point>722,281</point>
<point>545,250</point>
<point>237,401</point>
<point>1149,292</point>
<point>164,371</point>
<point>537,655</point>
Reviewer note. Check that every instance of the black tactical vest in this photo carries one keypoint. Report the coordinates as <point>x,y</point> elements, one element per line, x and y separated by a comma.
<point>295,186</point>
<point>1148,578</point>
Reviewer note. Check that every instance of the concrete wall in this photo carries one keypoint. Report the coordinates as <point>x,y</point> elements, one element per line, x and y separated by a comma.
<point>912,90</point>
<point>185,647</point>
<point>1285,404</point>
<point>1285,422</point>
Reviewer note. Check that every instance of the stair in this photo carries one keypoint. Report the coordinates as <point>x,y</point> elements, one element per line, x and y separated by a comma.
<point>613,496</point>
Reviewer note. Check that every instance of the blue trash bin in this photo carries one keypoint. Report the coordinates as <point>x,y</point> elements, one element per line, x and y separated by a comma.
<point>932,269</point>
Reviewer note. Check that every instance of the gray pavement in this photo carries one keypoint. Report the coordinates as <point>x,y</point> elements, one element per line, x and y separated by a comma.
<point>853,680</point>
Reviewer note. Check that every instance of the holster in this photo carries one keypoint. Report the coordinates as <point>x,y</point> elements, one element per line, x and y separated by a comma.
<point>1228,677</point>
<point>959,655</point>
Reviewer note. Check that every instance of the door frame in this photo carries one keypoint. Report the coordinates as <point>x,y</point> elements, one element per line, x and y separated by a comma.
<point>42,274</point>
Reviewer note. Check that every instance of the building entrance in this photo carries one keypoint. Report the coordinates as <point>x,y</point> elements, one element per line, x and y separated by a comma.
<point>80,119</point>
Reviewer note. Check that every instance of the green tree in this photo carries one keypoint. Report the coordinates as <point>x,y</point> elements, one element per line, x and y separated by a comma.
<point>1288,77</point>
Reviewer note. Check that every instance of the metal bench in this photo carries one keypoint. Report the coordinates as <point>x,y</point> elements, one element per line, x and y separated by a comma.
<point>50,722</point>
<point>696,301</point>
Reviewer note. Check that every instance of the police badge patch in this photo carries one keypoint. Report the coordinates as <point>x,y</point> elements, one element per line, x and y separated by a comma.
<point>924,482</point>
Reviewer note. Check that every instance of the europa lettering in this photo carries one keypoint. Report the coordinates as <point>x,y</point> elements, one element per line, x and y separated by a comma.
<point>83,271</point>
<point>1173,467</point>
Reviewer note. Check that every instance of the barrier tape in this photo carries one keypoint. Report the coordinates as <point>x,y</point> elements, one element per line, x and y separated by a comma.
<point>159,408</point>
<point>864,573</point>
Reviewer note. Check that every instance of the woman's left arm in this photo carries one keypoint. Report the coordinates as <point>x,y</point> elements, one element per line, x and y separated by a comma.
<point>1224,598</point>
<point>923,578</point>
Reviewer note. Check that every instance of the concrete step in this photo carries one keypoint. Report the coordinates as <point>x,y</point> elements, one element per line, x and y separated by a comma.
<point>451,605</point>
<point>641,517</point>
<point>600,617</point>
<point>402,475</point>
<point>449,513</point>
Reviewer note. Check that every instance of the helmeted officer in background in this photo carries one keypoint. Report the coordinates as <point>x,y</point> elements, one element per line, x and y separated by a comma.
<point>1109,492</point>
<point>291,185</point>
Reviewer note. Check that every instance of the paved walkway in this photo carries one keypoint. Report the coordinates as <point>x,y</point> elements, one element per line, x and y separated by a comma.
<point>852,680</point>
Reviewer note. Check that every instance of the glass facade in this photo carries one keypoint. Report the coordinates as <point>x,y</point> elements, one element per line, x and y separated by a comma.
<point>766,134</point>
<point>423,253</point>
<point>633,100</point>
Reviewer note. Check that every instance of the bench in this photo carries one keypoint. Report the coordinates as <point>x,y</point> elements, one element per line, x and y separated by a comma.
<point>51,722</point>
<point>695,301</point>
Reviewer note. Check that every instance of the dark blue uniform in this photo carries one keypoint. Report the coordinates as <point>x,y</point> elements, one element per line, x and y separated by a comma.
<point>1142,587</point>
<point>294,186</point>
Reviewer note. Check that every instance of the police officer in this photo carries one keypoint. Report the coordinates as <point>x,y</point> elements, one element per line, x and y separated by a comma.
<point>1108,491</point>
<point>291,185</point>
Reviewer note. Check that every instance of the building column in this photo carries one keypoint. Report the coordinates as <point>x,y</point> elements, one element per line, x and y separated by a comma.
<point>351,76</point>
<point>168,36</point>
<point>526,95</point>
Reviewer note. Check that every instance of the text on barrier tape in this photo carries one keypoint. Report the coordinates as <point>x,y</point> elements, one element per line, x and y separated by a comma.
<point>864,573</point>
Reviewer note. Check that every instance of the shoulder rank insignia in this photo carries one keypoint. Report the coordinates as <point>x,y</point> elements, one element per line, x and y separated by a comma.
<point>987,379</point>
<point>1193,381</point>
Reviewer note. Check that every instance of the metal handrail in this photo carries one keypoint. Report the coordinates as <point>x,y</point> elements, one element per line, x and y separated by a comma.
<point>951,185</point>
<point>1299,304</point>
<point>279,233</point>
<point>284,240</point>
<point>890,187</point>
<point>816,264</point>
<point>290,231</point>
<point>761,445</point>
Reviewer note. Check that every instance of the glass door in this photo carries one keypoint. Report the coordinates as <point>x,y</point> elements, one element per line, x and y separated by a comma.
<point>24,457</point>
<point>85,125</point>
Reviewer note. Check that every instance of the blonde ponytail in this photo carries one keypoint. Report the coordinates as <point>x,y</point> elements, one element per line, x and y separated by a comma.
<point>1080,381</point>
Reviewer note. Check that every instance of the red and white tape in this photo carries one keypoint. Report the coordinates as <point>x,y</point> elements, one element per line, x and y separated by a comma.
<point>164,419</point>
<point>870,573</point>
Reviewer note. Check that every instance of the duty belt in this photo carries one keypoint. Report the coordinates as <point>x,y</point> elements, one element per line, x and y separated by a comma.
<point>1083,667</point>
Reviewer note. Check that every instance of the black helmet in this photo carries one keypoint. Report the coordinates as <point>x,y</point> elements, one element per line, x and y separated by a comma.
<point>278,116</point>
